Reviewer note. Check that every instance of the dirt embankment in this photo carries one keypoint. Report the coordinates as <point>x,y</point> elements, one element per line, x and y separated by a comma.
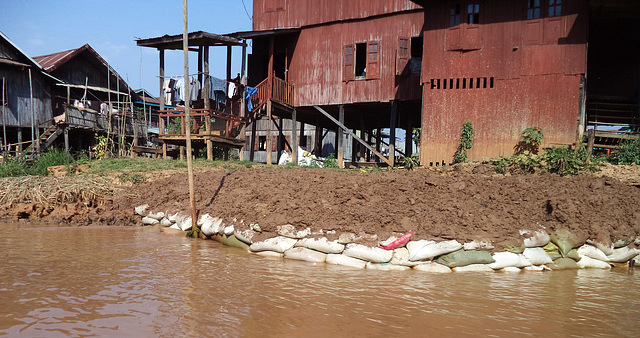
<point>463,202</point>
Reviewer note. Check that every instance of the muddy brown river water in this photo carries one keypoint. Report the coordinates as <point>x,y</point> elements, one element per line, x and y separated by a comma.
<point>137,282</point>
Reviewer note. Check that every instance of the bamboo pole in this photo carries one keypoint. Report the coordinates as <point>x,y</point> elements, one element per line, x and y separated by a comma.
<point>33,117</point>
<point>187,111</point>
<point>4,119</point>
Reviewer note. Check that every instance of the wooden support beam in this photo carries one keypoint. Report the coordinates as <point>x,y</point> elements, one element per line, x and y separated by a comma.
<point>206,86</point>
<point>408,139</point>
<point>347,130</point>
<point>243,103</point>
<point>393,118</point>
<point>66,139</point>
<point>207,128</point>
<point>340,137</point>
<point>592,137</point>
<point>161,51</point>
<point>253,140</point>
<point>268,143</point>
<point>294,136</point>
<point>317,139</point>
<point>281,138</point>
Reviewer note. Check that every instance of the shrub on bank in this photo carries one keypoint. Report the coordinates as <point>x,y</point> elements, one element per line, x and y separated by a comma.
<point>20,166</point>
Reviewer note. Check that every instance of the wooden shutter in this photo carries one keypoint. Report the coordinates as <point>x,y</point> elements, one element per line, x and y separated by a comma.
<point>348,70</point>
<point>402,56</point>
<point>373,60</point>
<point>274,143</point>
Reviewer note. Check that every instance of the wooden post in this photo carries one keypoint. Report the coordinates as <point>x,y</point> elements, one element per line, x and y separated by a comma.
<point>200,63</point>
<point>303,137</point>
<point>187,110</point>
<point>592,137</point>
<point>19,140</point>
<point>392,132</point>
<point>253,140</point>
<point>243,103</point>
<point>408,139</point>
<point>33,115</point>
<point>294,136</point>
<point>340,134</point>
<point>206,85</point>
<point>66,139</point>
<point>4,120</point>
<point>317,141</point>
<point>280,145</point>
<point>160,133</point>
<point>135,138</point>
<point>269,123</point>
<point>228,70</point>
<point>207,128</point>
<point>270,68</point>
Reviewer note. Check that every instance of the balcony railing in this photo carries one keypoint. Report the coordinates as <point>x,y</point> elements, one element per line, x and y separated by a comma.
<point>275,89</point>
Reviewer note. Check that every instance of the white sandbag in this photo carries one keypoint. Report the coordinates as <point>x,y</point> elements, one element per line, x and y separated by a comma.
<point>346,238</point>
<point>210,225</point>
<point>606,248</point>
<point>505,259</point>
<point>415,246</point>
<point>322,245</point>
<point>430,251</point>
<point>473,268</point>
<point>622,255</point>
<point>536,268</point>
<point>535,238</point>
<point>304,254</point>
<point>401,257</point>
<point>277,244</point>
<point>175,226</point>
<point>432,267</point>
<point>346,261</point>
<point>228,231</point>
<point>184,222</point>
<point>477,245</point>
<point>367,253</point>
<point>146,220</point>
<point>173,218</point>
<point>244,235</point>
<point>165,222</point>
<point>386,267</point>
<point>290,231</point>
<point>587,262</point>
<point>270,254</point>
<point>142,210</point>
<point>537,256</point>
<point>156,215</point>
<point>510,269</point>
<point>591,251</point>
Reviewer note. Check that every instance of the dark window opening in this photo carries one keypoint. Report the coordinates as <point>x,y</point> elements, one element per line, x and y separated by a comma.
<point>484,83</point>
<point>262,143</point>
<point>416,46</point>
<point>555,8</point>
<point>533,9</point>
<point>454,15</point>
<point>491,82</point>
<point>470,83</point>
<point>464,83</point>
<point>450,83</point>
<point>473,14</point>
<point>458,83</point>
<point>438,83</point>
<point>477,82</point>
<point>433,83</point>
<point>361,59</point>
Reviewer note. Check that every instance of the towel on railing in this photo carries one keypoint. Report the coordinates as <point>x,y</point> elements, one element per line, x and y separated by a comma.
<point>250,91</point>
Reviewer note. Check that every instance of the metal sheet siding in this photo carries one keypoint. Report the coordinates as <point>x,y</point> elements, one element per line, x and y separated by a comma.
<point>299,13</point>
<point>536,83</point>
<point>317,62</point>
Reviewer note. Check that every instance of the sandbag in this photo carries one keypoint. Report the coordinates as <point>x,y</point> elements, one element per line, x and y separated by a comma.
<point>565,240</point>
<point>367,253</point>
<point>184,222</point>
<point>146,220</point>
<point>165,222</point>
<point>510,269</point>
<point>552,250</point>
<point>270,254</point>
<point>432,267</point>
<point>290,231</point>
<point>175,226</point>
<point>386,266</point>
<point>173,218</point>
<point>433,250</point>
<point>401,257</point>
<point>592,252</point>
<point>156,215</point>
<point>505,259</point>
<point>321,244</point>
<point>233,241</point>
<point>142,210</point>
<point>590,263</point>
<point>535,238</point>
<point>415,246</point>
<point>536,268</point>
<point>473,268</point>
<point>573,254</point>
<point>563,264</point>
<point>244,235</point>
<point>478,245</point>
<point>463,258</point>
<point>228,231</point>
<point>277,244</point>
<point>622,255</point>
<point>209,225</point>
<point>304,254</point>
<point>346,261</point>
<point>537,256</point>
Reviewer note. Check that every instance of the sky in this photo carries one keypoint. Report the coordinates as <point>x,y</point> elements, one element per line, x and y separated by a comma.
<point>40,27</point>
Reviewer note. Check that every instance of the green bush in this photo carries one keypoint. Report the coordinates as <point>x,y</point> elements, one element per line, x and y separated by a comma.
<point>530,140</point>
<point>466,142</point>
<point>558,160</point>
<point>628,153</point>
<point>411,162</point>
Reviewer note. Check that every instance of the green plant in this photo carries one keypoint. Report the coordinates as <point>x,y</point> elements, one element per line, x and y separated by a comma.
<point>530,141</point>
<point>132,177</point>
<point>101,147</point>
<point>466,142</point>
<point>48,159</point>
<point>411,162</point>
<point>330,162</point>
<point>417,133</point>
<point>565,161</point>
<point>628,153</point>
<point>13,167</point>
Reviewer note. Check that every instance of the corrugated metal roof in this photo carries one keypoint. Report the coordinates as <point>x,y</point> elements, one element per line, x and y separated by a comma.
<point>51,62</point>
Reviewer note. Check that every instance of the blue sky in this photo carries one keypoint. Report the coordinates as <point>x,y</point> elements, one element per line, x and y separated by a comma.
<point>41,27</point>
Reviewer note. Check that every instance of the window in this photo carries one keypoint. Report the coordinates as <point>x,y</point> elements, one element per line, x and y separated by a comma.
<point>361,60</point>
<point>262,143</point>
<point>454,15</point>
<point>473,14</point>
<point>533,9</point>
<point>555,8</point>
<point>403,47</point>
<point>402,56</point>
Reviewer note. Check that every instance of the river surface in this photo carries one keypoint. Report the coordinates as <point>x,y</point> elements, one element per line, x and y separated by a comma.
<point>137,282</point>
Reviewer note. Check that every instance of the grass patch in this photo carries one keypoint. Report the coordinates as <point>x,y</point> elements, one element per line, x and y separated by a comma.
<point>20,166</point>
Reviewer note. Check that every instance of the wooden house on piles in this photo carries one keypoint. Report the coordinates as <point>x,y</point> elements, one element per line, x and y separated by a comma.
<point>92,99</point>
<point>26,98</point>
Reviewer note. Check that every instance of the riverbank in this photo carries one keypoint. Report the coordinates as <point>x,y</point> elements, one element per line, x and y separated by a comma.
<point>465,203</point>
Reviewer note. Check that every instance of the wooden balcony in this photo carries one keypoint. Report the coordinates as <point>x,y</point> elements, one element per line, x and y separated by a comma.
<point>206,125</point>
<point>273,88</point>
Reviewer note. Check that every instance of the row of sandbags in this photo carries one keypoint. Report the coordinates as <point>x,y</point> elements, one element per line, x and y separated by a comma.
<point>538,250</point>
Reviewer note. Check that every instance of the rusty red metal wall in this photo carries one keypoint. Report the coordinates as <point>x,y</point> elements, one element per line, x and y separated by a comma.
<point>523,73</point>
<point>272,14</point>
<point>317,63</point>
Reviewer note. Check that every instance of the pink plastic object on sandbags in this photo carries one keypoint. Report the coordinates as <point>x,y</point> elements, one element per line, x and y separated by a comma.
<point>398,242</point>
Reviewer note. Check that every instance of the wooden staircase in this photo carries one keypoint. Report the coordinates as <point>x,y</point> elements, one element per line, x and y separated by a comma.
<point>49,135</point>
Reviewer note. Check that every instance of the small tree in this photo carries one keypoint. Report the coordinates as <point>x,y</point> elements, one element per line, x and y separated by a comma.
<point>466,142</point>
<point>530,141</point>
